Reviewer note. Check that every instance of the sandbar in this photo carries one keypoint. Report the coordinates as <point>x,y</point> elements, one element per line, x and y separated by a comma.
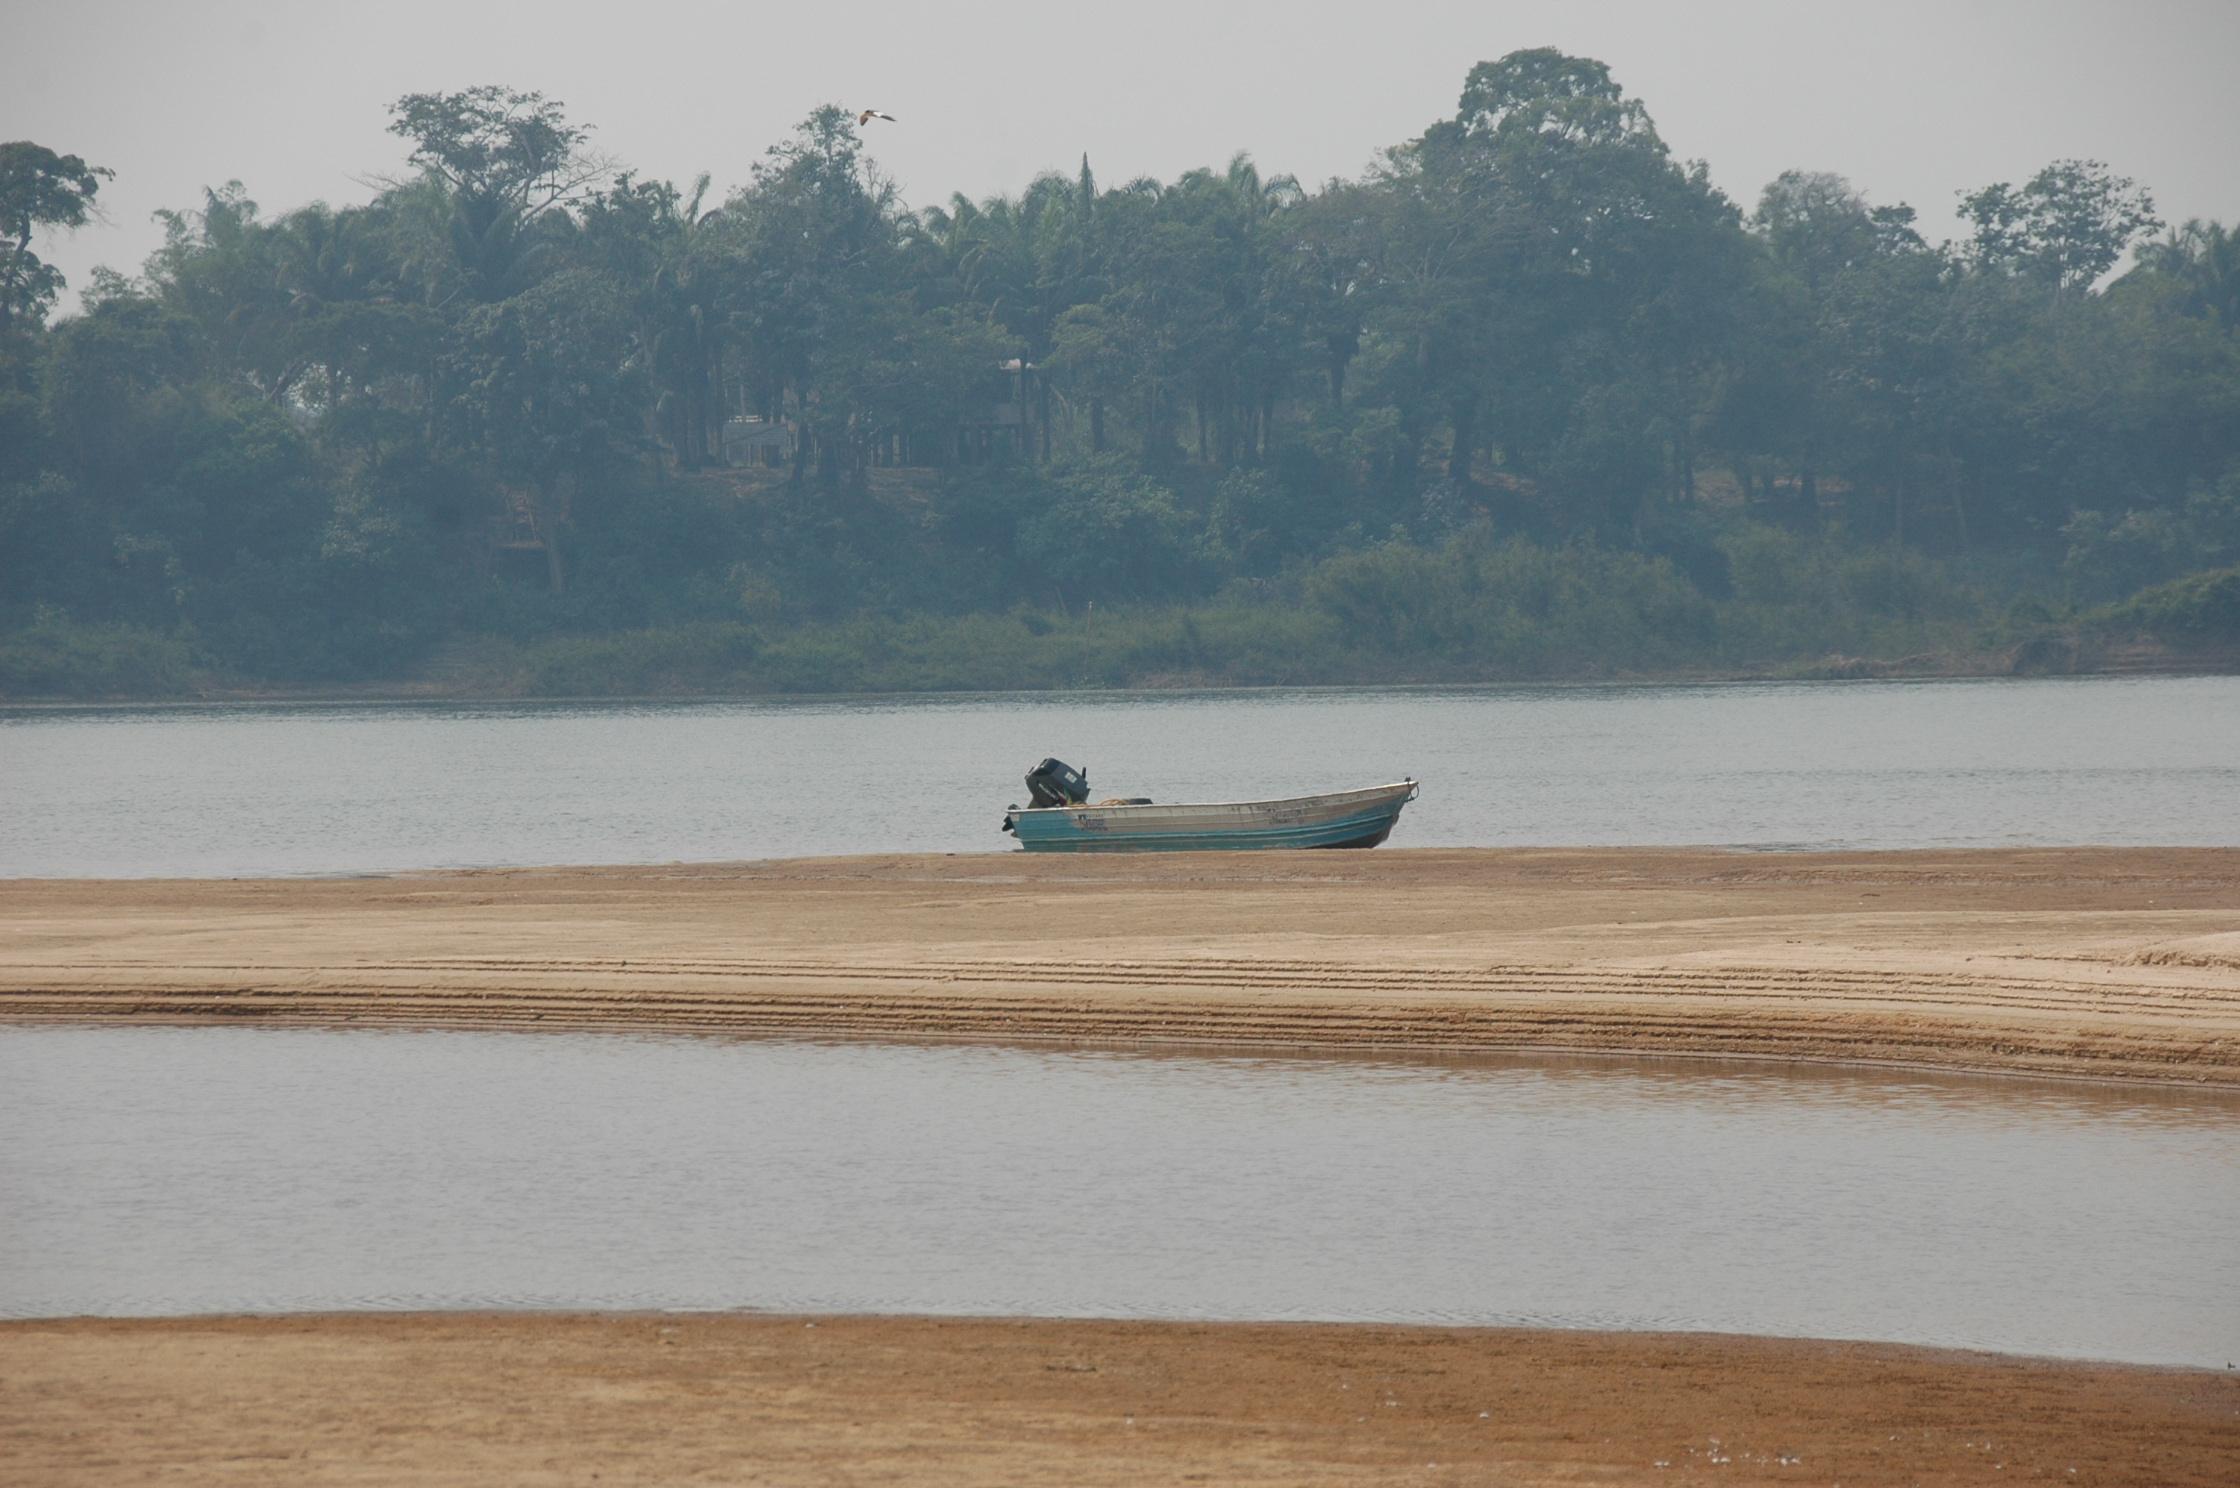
<point>2113,963</point>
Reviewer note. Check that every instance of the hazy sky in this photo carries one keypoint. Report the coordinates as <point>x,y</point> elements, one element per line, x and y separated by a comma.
<point>1913,101</point>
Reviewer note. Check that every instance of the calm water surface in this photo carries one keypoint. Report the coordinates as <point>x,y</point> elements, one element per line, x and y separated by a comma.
<point>152,1171</point>
<point>258,790</point>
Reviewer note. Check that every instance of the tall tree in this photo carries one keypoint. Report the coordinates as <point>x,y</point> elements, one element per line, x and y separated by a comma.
<point>504,163</point>
<point>38,189</point>
<point>678,272</point>
<point>816,232</point>
<point>2065,227</point>
<point>543,394</point>
<point>1791,406</point>
<point>1557,277</point>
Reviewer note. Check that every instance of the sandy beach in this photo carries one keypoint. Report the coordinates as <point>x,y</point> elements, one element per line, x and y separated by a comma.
<point>2112,963</point>
<point>473,1399</point>
<point>2101,963</point>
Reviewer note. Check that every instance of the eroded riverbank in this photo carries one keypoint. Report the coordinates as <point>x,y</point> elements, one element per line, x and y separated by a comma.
<point>2101,962</point>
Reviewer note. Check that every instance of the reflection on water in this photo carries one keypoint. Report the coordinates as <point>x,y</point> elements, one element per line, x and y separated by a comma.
<point>188,1170</point>
<point>239,790</point>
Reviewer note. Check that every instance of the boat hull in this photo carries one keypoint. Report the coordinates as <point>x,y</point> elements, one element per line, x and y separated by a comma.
<point>1361,818</point>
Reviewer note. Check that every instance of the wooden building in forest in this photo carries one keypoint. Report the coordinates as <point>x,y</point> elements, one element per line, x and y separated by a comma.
<point>750,439</point>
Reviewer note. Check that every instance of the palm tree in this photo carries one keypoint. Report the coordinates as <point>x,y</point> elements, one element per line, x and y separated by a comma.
<point>1025,262</point>
<point>685,339</point>
<point>2204,258</point>
<point>341,313</point>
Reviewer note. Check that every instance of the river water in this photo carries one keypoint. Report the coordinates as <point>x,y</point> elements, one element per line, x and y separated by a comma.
<point>182,1170</point>
<point>341,789</point>
<point>152,1171</point>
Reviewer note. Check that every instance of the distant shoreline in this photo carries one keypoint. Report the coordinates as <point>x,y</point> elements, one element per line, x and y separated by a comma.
<point>1827,669</point>
<point>496,672</point>
<point>2102,963</point>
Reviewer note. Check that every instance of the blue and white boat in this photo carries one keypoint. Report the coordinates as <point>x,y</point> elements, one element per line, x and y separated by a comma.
<point>1355,818</point>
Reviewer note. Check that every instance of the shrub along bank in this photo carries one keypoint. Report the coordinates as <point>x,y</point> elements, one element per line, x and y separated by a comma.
<point>1474,608</point>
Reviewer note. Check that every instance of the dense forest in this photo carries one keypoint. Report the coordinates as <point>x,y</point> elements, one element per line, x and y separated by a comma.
<point>1530,398</point>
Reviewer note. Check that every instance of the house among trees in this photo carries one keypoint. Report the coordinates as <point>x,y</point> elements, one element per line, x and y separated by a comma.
<point>994,430</point>
<point>751,439</point>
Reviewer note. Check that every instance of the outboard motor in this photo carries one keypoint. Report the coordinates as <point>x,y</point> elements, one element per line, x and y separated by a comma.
<point>1056,783</point>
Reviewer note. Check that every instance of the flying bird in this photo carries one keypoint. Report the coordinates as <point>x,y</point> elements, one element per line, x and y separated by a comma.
<point>869,114</point>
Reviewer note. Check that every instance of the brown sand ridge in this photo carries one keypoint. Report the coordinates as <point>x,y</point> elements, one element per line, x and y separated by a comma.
<point>2119,963</point>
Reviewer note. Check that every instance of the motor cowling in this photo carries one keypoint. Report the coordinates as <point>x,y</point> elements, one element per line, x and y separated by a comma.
<point>1056,783</point>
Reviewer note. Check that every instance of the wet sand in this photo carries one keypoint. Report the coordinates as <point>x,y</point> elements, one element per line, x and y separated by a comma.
<point>2113,963</point>
<point>471,1399</point>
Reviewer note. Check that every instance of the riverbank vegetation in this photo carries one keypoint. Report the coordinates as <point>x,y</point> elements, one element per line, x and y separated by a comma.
<point>1528,399</point>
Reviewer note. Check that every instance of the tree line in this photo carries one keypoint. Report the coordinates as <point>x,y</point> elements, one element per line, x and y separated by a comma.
<point>526,393</point>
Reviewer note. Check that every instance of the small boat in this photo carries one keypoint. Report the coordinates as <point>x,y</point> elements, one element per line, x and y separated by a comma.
<point>1062,820</point>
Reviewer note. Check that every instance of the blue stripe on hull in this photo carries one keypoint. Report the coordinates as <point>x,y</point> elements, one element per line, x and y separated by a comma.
<point>1057,833</point>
